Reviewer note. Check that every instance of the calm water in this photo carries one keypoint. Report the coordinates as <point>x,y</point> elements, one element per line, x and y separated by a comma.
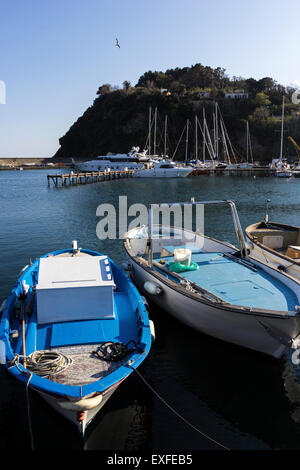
<point>242,399</point>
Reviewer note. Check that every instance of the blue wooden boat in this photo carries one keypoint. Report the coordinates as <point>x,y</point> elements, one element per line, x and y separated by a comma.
<point>72,329</point>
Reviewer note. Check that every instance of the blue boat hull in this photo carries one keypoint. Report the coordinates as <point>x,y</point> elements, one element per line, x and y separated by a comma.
<point>82,391</point>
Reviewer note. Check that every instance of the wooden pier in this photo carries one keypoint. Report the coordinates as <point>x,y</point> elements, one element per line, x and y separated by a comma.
<point>87,177</point>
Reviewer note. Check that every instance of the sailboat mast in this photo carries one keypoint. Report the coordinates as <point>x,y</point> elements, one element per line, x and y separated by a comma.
<point>196,138</point>
<point>155,123</point>
<point>165,142</point>
<point>204,139</point>
<point>247,140</point>
<point>282,119</point>
<point>250,145</point>
<point>224,142</point>
<point>214,134</point>
<point>217,132</point>
<point>149,131</point>
<point>210,147</point>
<point>187,139</point>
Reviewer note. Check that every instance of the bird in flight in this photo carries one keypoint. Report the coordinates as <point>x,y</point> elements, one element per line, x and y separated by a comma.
<point>117,43</point>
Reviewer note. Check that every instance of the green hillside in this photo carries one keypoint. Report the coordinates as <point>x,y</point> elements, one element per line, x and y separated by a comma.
<point>118,117</point>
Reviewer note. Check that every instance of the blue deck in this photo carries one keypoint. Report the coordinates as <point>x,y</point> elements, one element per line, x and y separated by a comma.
<point>237,284</point>
<point>121,328</point>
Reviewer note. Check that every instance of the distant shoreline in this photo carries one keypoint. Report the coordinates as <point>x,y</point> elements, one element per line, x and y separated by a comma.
<point>28,163</point>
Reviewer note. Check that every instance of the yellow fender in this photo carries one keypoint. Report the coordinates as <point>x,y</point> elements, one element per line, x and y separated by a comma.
<point>81,405</point>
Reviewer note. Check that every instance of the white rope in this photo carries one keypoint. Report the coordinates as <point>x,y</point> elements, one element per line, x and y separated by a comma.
<point>45,363</point>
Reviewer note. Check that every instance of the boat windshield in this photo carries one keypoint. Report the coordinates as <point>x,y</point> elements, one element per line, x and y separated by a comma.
<point>178,229</point>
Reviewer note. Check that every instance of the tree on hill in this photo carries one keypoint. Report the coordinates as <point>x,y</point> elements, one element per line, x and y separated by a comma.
<point>104,89</point>
<point>261,99</point>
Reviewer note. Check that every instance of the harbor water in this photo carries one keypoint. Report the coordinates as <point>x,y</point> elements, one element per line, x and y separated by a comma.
<point>240,398</point>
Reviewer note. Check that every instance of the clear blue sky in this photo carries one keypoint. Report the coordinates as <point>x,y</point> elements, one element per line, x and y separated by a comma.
<point>56,53</point>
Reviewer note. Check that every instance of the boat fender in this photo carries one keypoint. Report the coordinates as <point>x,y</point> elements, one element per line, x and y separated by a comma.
<point>145,302</point>
<point>280,267</point>
<point>14,334</point>
<point>81,405</point>
<point>2,352</point>
<point>151,288</point>
<point>126,266</point>
<point>152,330</point>
<point>249,248</point>
<point>2,306</point>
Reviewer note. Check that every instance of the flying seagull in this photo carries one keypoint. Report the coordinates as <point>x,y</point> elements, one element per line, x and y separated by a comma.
<point>117,43</point>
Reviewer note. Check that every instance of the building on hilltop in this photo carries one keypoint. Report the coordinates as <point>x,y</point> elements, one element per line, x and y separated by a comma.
<point>237,95</point>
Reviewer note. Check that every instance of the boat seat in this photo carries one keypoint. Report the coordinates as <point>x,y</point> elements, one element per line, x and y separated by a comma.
<point>275,238</point>
<point>273,241</point>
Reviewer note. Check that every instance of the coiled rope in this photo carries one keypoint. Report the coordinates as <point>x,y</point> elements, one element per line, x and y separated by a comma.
<point>45,363</point>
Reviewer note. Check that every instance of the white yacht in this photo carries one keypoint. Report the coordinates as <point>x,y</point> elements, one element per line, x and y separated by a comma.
<point>163,169</point>
<point>132,160</point>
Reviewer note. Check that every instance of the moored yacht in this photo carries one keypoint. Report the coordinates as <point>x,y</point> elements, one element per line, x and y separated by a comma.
<point>133,160</point>
<point>163,169</point>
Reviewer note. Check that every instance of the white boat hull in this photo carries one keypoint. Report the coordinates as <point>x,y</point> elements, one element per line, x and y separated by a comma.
<point>267,334</point>
<point>88,415</point>
<point>169,173</point>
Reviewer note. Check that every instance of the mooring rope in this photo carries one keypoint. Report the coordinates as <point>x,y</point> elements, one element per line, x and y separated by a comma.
<point>15,363</point>
<point>42,363</point>
<point>179,415</point>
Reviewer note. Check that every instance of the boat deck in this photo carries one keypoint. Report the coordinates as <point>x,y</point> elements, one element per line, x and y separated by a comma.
<point>78,339</point>
<point>85,367</point>
<point>237,283</point>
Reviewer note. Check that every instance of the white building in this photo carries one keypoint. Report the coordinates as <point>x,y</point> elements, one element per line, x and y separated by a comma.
<point>237,95</point>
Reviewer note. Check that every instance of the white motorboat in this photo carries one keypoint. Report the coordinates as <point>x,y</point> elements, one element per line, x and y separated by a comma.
<point>284,173</point>
<point>163,169</point>
<point>134,160</point>
<point>223,292</point>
